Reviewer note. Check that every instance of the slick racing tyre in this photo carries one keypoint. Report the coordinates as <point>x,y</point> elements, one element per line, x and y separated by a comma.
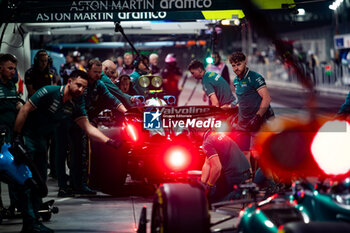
<point>180,208</point>
<point>108,165</point>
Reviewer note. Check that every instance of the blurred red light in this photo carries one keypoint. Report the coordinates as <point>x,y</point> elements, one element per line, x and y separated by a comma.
<point>330,148</point>
<point>177,158</point>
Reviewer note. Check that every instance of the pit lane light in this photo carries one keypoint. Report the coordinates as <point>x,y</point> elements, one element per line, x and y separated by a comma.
<point>230,22</point>
<point>334,6</point>
<point>209,60</point>
<point>328,70</point>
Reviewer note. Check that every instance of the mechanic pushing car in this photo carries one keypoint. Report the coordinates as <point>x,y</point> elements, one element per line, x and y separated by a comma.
<point>225,166</point>
<point>97,98</point>
<point>215,86</point>
<point>42,113</point>
<point>109,70</point>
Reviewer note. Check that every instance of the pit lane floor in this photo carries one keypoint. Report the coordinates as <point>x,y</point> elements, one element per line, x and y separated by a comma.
<point>100,213</point>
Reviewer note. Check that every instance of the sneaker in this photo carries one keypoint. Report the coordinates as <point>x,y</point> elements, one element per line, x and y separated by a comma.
<point>85,190</point>
<point>65,192</point>
<point>36,227</point>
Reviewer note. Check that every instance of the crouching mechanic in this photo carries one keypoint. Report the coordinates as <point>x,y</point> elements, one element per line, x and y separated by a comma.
<point>225,166</point>
<point>38,117</point>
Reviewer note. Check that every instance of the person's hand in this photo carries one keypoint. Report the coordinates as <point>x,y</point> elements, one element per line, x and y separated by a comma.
<point>255,123</point>
<point>208,189</point>
<point>17,141</point>
<point>205,98</point>
<point>136,101</point>
<point>113,143</point>
<point>226,106</point>
<point>18,149</point>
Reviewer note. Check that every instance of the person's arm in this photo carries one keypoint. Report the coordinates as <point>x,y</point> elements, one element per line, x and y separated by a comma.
<point>109,99</point>
<point>225,74</point>
<point>115,90</point>
<point>121,108</point>
<point>30,89</point>
<point>215,169</point>
<point>265,102</point>
<point>204,97</point>
<point>205,171</point>
<point>214,100</point>
<point>22,116</point>
<point>91,131</point>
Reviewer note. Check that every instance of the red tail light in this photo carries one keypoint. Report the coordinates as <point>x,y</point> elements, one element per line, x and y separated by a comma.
<point>177,158</point>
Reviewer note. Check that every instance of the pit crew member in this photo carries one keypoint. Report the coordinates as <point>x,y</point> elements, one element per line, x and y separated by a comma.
<point>40,74</point>
<point>44,111</point>
<point>215,87</point>
<point>109,70</point>
<point>225,166</point>
<point>96,98</point>
<point>253,101</point>
<point>219,67</point>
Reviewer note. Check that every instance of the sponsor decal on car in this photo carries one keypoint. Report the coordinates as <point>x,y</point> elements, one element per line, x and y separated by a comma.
<point>179,117</point>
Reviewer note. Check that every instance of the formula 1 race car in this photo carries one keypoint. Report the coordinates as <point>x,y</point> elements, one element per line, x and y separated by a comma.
<point>153,151</point>
<point>312,204</point>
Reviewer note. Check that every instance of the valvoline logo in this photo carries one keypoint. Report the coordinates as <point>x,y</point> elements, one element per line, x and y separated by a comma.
<point>152,120</point>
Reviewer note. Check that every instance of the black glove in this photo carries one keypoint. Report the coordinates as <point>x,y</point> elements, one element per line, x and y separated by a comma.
<point>18,149</point>
<point>113,143</point>
<point>18,143</point>
<point>255,123</point>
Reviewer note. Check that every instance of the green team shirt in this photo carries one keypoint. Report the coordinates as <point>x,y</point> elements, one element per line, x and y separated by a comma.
<point>249,99</point>
<point>345,108</point>
<point>50,110</point>
<point>231,157</point>
<point>114,90</point>
<point>97,98</point>
<point>213,83</point>
<point>8,111</point>
<point>135,76</point>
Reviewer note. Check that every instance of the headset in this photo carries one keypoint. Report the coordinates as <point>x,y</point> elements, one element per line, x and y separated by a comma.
<point>41,52</point>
